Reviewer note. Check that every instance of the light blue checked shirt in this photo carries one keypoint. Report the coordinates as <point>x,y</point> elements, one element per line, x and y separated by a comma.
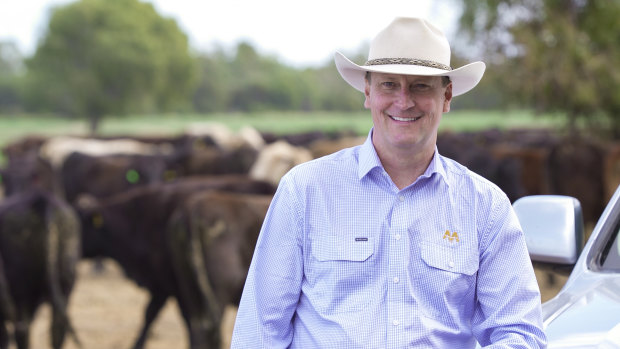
<point>347,260</point>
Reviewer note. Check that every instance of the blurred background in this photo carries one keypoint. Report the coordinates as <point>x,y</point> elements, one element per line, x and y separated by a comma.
<point>545,119</point>
<point>92,60</point>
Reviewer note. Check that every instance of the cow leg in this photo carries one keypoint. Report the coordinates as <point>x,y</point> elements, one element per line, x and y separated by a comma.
<point>4,335</point>
<point>200,312</point>
<point>155,305</point>
<point>22,333</point>
<point>201,325</point>
<point>58,328</point>
<point>204,333</point>
<point>203,329</point>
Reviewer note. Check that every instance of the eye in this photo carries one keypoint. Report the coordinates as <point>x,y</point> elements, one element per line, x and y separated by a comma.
<point>388,84</point>
<point>420,87</point>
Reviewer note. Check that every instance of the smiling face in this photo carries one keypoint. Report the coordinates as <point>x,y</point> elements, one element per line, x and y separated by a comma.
<point>406,111</point>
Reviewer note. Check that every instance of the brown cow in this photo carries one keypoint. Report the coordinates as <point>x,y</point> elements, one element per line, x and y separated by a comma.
<point>212,238</point>
<point>276,159</point>
<point>24,146</point>
<point>131,228</point>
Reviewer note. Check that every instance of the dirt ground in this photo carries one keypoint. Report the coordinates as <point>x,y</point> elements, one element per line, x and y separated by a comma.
<point>107,309</point>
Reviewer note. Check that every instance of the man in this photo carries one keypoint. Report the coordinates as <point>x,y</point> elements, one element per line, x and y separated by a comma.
<point>389,244</point>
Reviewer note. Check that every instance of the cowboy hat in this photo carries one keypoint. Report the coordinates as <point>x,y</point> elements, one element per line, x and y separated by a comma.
<point>410,46</point>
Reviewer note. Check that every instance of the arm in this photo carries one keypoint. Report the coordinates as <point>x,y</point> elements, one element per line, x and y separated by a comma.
<point>273,284</point>
<point>508,312</point>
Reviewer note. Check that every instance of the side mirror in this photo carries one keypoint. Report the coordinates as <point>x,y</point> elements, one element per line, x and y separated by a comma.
<point>553,227</point>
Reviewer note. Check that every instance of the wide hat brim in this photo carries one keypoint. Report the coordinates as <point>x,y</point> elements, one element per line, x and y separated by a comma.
<point>463,79</point>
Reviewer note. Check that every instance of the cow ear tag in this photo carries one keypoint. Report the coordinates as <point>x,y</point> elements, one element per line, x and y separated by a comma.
<point>170,175</point>
<point>97,220</point>
<point>132,176</point>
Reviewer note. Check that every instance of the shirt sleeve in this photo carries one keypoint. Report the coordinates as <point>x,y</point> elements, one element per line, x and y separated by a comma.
<point>273,285</point>
<point>508,310</point>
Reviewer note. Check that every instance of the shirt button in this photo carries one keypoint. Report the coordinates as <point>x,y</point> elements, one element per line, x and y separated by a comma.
<point>395,322</point>
<point>395,280</point>
<point>397,236</point>
<point>401,198</point>
<point>451,264</point>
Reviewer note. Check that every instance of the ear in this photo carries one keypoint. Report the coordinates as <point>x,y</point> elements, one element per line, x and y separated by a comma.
<point>367,95</point>
<point>447,98</point>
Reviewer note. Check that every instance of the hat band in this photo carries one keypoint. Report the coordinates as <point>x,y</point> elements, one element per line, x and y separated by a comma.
<point>408,61</point>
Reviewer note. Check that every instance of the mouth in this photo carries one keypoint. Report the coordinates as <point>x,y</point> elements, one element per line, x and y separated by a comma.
<point>396,118</point>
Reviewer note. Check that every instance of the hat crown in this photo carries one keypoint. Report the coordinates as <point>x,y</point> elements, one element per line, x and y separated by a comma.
<point>412,38</point>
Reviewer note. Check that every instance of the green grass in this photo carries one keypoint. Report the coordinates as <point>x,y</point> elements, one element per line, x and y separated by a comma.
<point>277,122</point>
<point>480,120</point>
<point>14,127</point>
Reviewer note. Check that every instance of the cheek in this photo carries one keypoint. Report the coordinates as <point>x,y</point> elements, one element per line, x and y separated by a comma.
<point>377,101</point>
<point>432,105</point>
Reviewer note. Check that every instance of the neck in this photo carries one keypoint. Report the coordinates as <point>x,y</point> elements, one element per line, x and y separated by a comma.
<point>405,166</point>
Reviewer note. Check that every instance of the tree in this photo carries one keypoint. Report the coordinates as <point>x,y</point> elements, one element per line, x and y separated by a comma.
<point>103,57</point>
<point>262,83</point>
<point>212,93</point>
<point>557,55</point>
<point>11,66</point>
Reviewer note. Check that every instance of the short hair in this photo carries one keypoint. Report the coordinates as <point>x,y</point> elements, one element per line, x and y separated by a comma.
<point>445,80</point>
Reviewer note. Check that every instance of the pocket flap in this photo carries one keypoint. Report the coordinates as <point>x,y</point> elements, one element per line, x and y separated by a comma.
<point>344,248</point>
<point>463,260</point>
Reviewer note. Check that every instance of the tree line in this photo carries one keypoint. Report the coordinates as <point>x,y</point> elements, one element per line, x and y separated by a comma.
<point>100,58</point>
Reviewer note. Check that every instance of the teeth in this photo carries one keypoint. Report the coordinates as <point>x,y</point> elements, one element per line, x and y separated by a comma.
<point>404,119</point>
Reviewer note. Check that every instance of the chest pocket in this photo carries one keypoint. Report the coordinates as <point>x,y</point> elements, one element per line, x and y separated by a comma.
<point>445,280</point>
<point>342,274</point>
<point>461,260</point>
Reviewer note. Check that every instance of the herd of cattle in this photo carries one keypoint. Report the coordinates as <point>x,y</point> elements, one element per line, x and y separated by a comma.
<point>181,214</point>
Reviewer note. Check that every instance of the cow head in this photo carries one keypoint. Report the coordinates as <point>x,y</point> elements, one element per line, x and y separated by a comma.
<point>27,172</point>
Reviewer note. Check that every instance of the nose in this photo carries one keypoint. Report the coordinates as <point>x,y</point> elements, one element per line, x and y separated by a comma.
<point>404,98</point>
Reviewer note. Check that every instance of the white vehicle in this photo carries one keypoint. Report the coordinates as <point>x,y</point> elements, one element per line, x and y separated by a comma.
<point>586,311</point>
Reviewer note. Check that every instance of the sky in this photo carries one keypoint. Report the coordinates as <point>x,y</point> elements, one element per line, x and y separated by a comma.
<point>299,33</point>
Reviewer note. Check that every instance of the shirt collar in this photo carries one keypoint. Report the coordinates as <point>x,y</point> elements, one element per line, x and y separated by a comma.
<point>368,160</point>
<point>436,166</point>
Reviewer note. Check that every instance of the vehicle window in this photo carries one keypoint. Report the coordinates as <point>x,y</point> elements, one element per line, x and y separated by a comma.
<point>610,257</point>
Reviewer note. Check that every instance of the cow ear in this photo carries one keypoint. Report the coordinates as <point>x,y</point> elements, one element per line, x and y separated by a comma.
<point>86,202</point>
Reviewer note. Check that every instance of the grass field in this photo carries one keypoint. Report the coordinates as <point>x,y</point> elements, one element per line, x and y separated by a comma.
<point>15,126</point>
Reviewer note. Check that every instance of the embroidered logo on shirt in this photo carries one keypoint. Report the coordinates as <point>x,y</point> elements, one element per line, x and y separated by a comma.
<point>451,236</point>
<point>361,239</point>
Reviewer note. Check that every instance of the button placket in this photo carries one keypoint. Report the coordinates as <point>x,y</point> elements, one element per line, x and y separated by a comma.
<point>398,252</point>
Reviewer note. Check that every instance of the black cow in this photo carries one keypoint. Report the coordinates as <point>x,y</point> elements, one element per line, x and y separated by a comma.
<point>106,175</point>
<point>576,169</point>
<point>472,151</point>
<point>131,228</point>
<point>26,172</point>
<point>212,238</point>
<point>39,251</point>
